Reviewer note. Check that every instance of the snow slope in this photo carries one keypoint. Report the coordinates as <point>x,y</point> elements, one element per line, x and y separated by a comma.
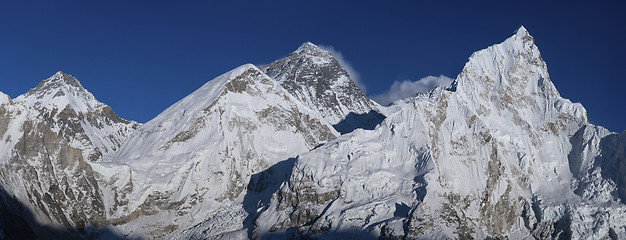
<point>195,159</point>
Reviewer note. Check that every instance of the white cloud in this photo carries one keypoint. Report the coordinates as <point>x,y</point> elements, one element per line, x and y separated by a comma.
<point>354,75</point>
<point>405,89</point>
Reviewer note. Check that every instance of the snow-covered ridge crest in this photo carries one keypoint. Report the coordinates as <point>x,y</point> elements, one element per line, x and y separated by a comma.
<point>177,117</point>
<point>4,98</point>
<point>59,92</point>
<point>203,96</point>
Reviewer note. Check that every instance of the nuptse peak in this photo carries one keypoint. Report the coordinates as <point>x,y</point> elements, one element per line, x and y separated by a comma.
<point>294,149</point>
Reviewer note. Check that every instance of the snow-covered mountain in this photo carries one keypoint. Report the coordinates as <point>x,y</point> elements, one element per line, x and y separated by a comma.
<point>317,79</point>
<point>294,149</point>
<point>48,138</point>
<point>62,97</point>
<point>194,160</point>
<point>490,157</point>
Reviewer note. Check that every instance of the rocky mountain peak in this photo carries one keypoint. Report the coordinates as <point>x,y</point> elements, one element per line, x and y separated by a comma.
<point>513,65</point>
<point>512,76</point>
<point>311,50</point>
<point>59,79</point>
<point>521,31</point>
<point>524,39</point>
<point>317,79</point>
<point>309,46</point>
<point>61,91</point>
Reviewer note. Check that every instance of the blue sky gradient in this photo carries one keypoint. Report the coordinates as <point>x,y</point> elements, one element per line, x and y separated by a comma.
<point>140,57</point>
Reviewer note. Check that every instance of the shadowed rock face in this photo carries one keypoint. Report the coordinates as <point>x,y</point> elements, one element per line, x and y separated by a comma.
<point>17,222</point>
<point>13,218</point>
<point>367,121</point>
<point>613,162</point>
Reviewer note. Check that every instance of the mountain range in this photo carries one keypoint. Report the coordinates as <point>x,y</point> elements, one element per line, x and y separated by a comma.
<point>294,149</point>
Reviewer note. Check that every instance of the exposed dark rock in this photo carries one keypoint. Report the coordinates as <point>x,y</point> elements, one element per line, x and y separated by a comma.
<point>367,121</point>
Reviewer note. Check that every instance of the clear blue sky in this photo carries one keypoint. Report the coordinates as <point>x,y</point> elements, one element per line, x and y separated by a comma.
<point>140,57</point>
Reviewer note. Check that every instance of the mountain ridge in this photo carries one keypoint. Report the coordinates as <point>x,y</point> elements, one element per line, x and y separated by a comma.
<point>295,149</point>
<point>513,181</point>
